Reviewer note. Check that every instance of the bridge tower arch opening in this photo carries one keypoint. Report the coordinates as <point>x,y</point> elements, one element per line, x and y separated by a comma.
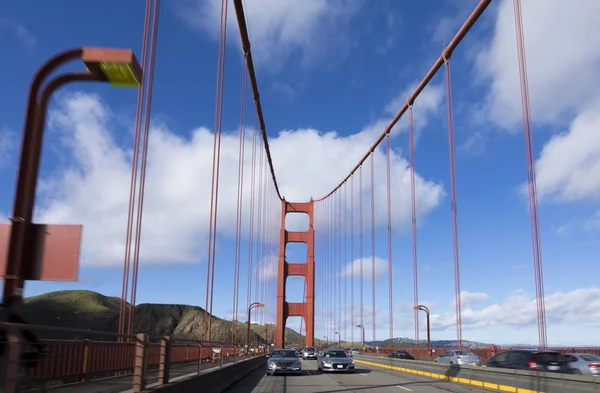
<point>305,268</point>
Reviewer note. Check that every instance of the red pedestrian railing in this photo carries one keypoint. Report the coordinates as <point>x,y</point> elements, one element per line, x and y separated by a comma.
<point>112,355</point>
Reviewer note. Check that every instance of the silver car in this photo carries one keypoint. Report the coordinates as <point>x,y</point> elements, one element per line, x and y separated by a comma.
<point>584,363</point>
<point>335,360</point>
<point>309,353</point>
<point>284,361</point>
<point>461,357</point>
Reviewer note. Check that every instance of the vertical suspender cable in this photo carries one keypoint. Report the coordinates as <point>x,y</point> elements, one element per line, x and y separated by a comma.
<point>238,219</point>
<point>414,220</point>
<point>531,179</point>
<point>134,171</point>
<point>373,313</point>
<point>389,230</point>
<point>214,197</point>
<point>251,222</point>
<point>360,228</point>
<point>454,207</point>
<point>346,263</point>
<point>259,223</point>
<point>142,182</point>
<point>352,327</point>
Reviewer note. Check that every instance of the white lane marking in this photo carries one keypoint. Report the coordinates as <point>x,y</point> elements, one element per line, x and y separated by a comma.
<point>402,387</point>
<point>364,375</point>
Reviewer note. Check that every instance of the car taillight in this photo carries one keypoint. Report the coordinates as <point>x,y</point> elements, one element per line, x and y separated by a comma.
<point>532,365</point>
<point>594,365</point>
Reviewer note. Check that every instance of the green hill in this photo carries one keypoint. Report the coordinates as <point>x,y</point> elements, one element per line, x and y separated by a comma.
<point>88,310</point>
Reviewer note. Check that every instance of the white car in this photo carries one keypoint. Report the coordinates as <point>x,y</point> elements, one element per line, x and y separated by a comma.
<point>310,353</point>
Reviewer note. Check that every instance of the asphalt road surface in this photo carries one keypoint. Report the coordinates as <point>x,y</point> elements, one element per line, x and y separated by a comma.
<point>364,380</point>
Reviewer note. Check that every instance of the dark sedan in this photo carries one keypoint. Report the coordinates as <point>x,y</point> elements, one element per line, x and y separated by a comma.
<point>401,354</point>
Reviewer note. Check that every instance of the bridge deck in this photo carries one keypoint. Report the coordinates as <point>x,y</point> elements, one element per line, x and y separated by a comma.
<point>125,383</point>
<point>365,379</point>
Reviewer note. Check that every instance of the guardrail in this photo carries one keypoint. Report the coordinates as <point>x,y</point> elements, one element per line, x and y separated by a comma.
<point>80,361</point>
<point>500,379</point>
<point>214,381</point>
<point>483,353</point>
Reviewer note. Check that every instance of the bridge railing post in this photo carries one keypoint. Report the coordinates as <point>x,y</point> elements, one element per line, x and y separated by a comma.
<point>85,366</point>
<point>164,361</point>
<point>200,348</point>
<point>10,369</point>
<point>140,370</point>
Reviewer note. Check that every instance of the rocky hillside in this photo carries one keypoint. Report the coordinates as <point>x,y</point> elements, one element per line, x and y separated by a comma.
<point>87,310</point>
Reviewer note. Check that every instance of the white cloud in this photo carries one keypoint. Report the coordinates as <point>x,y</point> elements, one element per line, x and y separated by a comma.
<point>563,57</point>
<point>468,299</point>
<point>381,268</point>
<point>475,144</point>
<point>269,267</point>
<point>580,306</point>
<point>8,146</point>
<point>562,48</point>
<point>92,188</point>
<point>23,34</point>
<point>281,29</point>
<point>569,163</point>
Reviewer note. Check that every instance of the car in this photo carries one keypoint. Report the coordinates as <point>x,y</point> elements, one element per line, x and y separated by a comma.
<point>336,360</point>
<point>460,357</point>
<point>401,354</point>
<point>583,363</point>
<point>310,353</point>
<point>283,361</point>
<point>531,359</point>
<point>354,351</point>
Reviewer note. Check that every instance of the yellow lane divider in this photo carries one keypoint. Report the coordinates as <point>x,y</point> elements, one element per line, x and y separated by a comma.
<point>489,385</point>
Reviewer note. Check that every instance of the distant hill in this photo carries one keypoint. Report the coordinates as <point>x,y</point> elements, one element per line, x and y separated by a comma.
<point>88,310</point>
<point>408,342</point>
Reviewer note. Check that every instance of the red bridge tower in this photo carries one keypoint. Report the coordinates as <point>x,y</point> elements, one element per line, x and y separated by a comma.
<point>306,269</point>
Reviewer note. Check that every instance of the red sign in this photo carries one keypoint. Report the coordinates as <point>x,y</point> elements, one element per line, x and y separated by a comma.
<point>54,256</point>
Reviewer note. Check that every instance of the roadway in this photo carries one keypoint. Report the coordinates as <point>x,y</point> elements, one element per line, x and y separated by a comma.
<point>365,379</point>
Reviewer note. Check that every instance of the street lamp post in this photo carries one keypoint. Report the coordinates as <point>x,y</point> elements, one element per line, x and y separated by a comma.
<point>250,308</point>
<point>338,335</point>
<point>117,66</point>
<point>423,308</point>
<point>362,328</point>
<point>326,341</point>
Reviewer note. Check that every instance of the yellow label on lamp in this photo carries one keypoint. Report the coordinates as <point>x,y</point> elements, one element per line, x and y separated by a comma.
<point>120,74</point>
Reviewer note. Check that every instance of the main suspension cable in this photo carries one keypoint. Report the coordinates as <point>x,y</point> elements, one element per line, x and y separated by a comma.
<point>447,52</point>
<point>241,19</point>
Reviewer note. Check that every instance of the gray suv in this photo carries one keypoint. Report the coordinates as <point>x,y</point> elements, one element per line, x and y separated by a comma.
<point>310,353</point>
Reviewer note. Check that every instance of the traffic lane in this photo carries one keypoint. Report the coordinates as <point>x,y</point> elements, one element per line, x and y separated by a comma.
<point>364,379</point>
<point>416,383</point>
<point>310,381</point>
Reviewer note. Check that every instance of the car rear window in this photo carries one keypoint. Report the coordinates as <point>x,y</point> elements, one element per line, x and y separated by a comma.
<point>590,358</point>
<point>464,353</point>
<point>310,349</point>
<point>549,357</point>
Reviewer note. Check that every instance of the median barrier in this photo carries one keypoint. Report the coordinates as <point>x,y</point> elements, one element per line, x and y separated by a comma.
<point>506,380</point>
<point>214,380</point>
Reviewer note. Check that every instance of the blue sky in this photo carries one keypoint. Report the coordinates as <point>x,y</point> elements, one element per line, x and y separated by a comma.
<point>330,78</point>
